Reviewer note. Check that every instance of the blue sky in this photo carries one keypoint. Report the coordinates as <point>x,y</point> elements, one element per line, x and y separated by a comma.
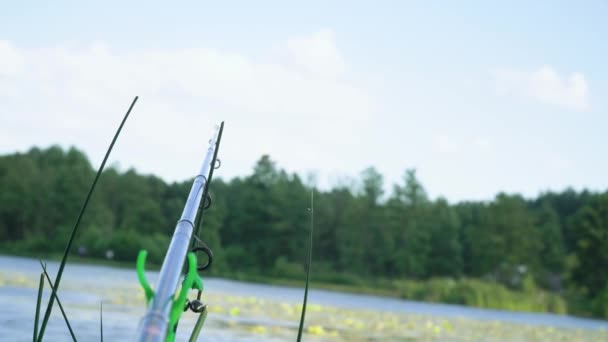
<point>480,97</point>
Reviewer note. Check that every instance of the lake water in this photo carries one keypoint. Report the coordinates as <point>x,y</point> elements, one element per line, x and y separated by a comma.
<point>242,311</point>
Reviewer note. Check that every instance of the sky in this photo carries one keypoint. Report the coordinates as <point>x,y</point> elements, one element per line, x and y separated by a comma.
<point>479,97</point>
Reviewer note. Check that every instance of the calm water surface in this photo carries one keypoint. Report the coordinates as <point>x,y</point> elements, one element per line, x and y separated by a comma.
<point>242,311</point>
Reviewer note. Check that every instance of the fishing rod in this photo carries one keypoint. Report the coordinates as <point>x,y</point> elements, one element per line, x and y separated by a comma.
<point>164,307</point>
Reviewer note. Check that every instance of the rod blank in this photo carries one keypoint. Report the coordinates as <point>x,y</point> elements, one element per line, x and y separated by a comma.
<point>154,324</point>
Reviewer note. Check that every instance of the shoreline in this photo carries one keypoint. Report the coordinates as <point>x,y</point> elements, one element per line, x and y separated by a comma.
<point>411,290</point>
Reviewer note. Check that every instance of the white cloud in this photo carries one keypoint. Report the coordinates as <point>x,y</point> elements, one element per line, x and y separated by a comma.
<point>290,110</point>
<point>559,163</point>
<point>10,60</point>
<point>449,144</point>
<point>318,53</point>
<point>545,85</point>
<point>446,144</point>
<point>483,144</point>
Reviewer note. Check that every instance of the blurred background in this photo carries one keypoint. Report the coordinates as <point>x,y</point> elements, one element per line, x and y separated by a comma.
<point>456,153</point>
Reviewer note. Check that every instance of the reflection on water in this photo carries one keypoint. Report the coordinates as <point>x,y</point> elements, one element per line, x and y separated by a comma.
<point>250,312</point>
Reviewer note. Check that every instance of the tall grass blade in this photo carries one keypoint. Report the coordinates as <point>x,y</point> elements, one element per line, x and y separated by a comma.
<point>312,224</point>
<point>49,306</point>
<point>65,317</point>
<point>101,320</point>
<point>40,287</point>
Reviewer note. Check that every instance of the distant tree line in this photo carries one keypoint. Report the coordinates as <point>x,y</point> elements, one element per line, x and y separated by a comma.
<point>258,224</point>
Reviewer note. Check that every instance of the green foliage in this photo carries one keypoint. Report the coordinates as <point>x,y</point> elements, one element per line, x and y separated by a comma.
<point>599,304</point>
<point>285,269</point>
<point>591,245</point>
<point>408,214</point>
<point>481,294</point>
<point>510,252</point>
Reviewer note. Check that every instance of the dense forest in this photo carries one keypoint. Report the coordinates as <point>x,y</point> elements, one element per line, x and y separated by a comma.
<point>549,253</point>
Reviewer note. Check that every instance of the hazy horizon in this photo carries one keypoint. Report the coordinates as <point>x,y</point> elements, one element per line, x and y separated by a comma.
<point>352,181</point>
